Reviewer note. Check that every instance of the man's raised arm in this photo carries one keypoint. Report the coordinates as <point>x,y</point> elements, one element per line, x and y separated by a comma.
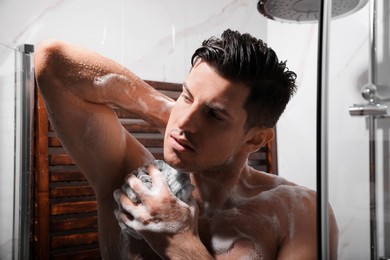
<point>79,87</point>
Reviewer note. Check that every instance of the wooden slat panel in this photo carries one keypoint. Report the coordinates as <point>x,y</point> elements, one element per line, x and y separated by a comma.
<point>165,85</point>
<point>258,156</point>
<point>272,156</point>
<point>140,128</point>
<point>158,156</point>
<point>64,159</point>
<point>71,191</point>
<point>60,159</point>
<point>172,94</point>
<point>74,240</point>
<point>258,162</point>
<point>81,254</point>
<point>263,161</point>
<point>264,149</point>
<point>51,129</point>
<point>151,142</point>
<point>78,222</point>
<point>54,142</point>
<point>66,175</point>
<point>128,120</point>
<point>73,207</point>
<point>41,231</point>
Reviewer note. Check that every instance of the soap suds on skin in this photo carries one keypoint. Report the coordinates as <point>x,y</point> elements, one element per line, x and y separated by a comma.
<point>115,83</point>
<point>178,182</point>
<point>108,79</point>
<point>222,244</point>
<point>165,108</point>
<point>295,198</point>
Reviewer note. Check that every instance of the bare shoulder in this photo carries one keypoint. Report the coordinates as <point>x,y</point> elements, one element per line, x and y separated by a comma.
<point>288,191</point>
<point>263,184</point>
<point>283,215</point>
<point>289,203</point>
<point>292,209</point>
<point>271,193</point>
<point>272,218</point>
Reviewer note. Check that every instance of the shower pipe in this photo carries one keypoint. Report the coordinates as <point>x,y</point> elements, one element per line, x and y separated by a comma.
<point>372,134</point>
<point>322,131</point>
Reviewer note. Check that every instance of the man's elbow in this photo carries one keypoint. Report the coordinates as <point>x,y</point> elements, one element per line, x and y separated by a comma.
<point>47,59</point>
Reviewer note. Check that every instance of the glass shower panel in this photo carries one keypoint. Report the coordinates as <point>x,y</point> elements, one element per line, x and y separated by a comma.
<point>7,150</point>
<point>359,130</point>
<point>16,103</point>
<point>383,129</point>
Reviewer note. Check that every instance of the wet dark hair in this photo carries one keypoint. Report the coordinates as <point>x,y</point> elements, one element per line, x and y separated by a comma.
<point>241,58</point>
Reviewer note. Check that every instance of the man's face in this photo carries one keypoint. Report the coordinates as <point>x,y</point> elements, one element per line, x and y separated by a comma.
<point>205,130</point>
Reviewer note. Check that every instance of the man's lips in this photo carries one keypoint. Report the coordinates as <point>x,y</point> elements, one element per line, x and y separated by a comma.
<point>181,144</point>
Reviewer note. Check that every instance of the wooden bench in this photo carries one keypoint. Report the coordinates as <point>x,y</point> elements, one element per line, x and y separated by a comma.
<point>64,213</point>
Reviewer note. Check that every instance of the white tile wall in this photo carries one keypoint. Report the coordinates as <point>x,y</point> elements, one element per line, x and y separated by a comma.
<point>156,39</point>
<point>7,104</point>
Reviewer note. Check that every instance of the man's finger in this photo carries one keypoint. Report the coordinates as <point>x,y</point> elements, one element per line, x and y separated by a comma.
<point>158,178</point>
<point>125,223</point>
<point>137,187</point>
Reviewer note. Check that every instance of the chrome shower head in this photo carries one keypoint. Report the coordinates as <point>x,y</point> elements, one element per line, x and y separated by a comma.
<point>305,11</point>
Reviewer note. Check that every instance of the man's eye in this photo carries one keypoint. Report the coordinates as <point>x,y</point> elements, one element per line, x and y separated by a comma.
<point>215,115</point>
<point>185,97</point>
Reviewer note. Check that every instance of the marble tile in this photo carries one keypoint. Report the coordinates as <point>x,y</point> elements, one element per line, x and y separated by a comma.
<point>156,40</point>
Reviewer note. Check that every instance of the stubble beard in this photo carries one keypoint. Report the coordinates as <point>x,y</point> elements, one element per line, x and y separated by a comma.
<point>192,166</point>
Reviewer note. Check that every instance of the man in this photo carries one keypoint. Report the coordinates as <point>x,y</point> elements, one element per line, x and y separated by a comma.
<point>232,98</point>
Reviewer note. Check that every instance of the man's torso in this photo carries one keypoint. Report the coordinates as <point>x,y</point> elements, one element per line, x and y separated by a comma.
<point>255,222</point>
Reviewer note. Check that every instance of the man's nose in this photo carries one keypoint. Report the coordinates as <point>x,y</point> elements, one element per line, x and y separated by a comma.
<point>188,119</point>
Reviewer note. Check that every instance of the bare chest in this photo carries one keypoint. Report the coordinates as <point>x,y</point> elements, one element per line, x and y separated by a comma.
<point>240,234</point>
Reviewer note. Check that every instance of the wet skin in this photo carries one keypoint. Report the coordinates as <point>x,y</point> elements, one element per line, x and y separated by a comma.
<point>236,211</point>
<point>242,212</point>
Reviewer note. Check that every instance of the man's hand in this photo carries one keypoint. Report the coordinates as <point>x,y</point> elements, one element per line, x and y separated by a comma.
<point>156,214</point>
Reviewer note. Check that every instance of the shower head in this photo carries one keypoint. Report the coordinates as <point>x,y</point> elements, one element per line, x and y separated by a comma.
<point>305,11</point>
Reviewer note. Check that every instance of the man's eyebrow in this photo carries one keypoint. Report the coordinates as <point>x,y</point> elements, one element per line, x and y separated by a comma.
<point>218,108</point>
<point>212,106</point>
<point>186,89</point>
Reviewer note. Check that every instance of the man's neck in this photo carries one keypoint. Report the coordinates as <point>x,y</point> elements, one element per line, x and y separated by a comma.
<point>213,190</point>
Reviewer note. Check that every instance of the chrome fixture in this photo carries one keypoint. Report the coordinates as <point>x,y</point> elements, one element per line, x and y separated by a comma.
<point>299,11</point>
<point>373,109</point>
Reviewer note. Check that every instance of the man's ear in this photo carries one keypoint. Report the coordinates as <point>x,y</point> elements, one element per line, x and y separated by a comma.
<point>257,137</point>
